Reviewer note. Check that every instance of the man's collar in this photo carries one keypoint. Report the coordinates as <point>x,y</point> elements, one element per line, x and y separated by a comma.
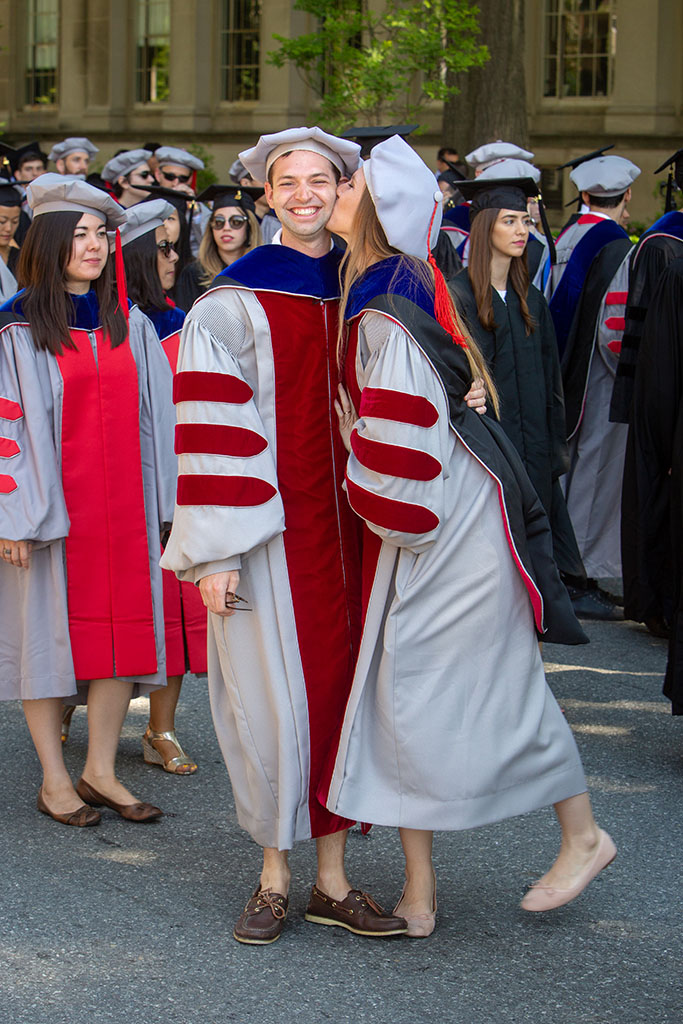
<point>277,239</point>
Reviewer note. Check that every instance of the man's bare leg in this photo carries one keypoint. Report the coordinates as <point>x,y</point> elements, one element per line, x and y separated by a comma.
<point>332,878</point>
<point>275,875</point>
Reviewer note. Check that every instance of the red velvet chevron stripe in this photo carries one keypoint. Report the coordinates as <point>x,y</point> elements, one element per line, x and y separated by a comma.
<point>195,386</point>
<point>396,405</point>
<point>235,491</point>
<point>616,298</point>
<point>7,484</point>
<point>393,459</point>
<point>615,323</point>
<point>400,516</point>
<point>217,439</point>
<point>10,410</point>
<point>8,448</point>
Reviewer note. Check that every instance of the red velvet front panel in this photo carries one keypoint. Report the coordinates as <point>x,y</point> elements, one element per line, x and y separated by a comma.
<point>320,537</point>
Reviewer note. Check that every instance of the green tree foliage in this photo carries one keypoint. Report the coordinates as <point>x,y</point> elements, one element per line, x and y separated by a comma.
<point>381,63</point>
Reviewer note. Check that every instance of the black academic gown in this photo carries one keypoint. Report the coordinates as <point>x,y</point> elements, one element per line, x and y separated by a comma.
<point>526,371</point>
<point>652,508</point>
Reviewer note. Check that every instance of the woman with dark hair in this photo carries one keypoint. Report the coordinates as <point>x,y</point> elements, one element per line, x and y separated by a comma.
<point>87,423</point>
<point>231,231</point>
<point>450,723</point>
<point>511,323</point>
<point>150,260</point>
<point>10,217</point>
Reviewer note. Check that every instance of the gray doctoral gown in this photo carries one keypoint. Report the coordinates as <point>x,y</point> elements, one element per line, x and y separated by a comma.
<point>35,652</point>
<point>450,723</point>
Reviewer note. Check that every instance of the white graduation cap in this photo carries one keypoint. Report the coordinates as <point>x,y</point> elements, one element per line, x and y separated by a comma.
<point>342,153</point>
<point>406,196</point>
<point>173,155</point>
<point>55,193</point>
<point>490,153</point>
<point>61,150</point>
<point>509,168</point>
<point>605,176</point>
<point>121,165</point>
<point>144,217</point>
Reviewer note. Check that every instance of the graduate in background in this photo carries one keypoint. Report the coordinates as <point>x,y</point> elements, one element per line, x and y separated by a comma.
<point>72,156</point>
<point>87,424</point>
<point>604,184</point>
<point>124,172</point>
<point>11,200</point>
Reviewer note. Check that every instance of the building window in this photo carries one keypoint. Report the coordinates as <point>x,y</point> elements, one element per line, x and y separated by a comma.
<point>42,21</point>
<point>240,48</point>
<point>153,50</point>
<point>580,46</point>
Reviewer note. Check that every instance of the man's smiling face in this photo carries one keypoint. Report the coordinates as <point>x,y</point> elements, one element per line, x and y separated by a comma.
<point>302,191</point>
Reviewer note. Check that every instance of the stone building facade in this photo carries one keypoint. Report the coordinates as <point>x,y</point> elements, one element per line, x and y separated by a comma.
<point>195,71</point>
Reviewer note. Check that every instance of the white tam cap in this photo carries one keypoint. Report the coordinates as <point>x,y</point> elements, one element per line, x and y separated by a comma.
<point>143,218</point>
<point>342,153</point>
<point>124,163</point>
<point>509,168</point>
<point>173,155</point>
<point>605,176</point>
<point>60,150</point>
<point>56,193</point>
<point>406,197</point>
<point>489,154</point>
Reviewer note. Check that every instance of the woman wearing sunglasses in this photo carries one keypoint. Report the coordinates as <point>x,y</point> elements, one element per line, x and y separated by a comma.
<point>150,259</point>
<point>124,172</point>
<point>231,231</point>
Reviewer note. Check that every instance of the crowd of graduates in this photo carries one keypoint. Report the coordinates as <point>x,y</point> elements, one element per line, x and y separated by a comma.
<point>569,344</point>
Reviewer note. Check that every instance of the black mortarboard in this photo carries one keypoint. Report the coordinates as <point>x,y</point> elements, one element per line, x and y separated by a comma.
<point>675,178</point>
<point>243,196</point>
<point>151,147</point>
<point>578,160</point>
<point>506,194</point>
<point>498,194</point>
<point>9,195</point>
<point>179,199</point>
<point>16,156</point>
<point>454,170</point>
<point>368,136</point>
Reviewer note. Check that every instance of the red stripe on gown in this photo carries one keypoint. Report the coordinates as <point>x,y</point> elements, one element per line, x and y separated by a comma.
<point>8,448</point>
<point>7,484</point>
<point>615,323</point>
<point>394,459</point>
<point>200,386</point>
<point>321,536</point>
<point>397,405</point>
<point>111,617</point>
<point>184,611</point>
<point>401,516</point>
<point>616,298</point>
<point>10,410</point>
<point>218,439</point>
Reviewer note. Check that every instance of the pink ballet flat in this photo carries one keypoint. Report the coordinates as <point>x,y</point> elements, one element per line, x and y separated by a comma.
<point>544,897</point>
<point>420,926</point>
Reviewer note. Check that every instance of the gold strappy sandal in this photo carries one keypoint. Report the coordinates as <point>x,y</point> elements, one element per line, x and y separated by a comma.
<point>67,715</point>
<point>181,764</point>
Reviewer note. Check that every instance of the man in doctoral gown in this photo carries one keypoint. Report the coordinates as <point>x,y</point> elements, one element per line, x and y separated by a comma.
<point>263,527</point>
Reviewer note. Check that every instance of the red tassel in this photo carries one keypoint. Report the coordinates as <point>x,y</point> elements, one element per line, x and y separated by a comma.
<point>121,289</point>
<point>443,304</point>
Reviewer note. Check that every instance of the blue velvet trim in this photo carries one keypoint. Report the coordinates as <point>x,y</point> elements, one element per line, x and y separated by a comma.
<point>166,321</point>
<point>281,269</point>
<point>86,307</point>
<point>459,216</point>
<point>382,279</point>
<point>566,296</point>
<point>671,223</point>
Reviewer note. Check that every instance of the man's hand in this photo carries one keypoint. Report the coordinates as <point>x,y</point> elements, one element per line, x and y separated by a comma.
<point>476,396</point>
<point>217,591</point>
<point>16,552</point>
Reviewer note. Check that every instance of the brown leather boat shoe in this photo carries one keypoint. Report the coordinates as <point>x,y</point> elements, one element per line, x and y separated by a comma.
<point>358,913</point>
<point>139,812</point>
<point>263,918</point>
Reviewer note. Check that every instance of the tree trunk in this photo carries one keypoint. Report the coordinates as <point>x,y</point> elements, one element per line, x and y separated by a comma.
<point>491,103</point>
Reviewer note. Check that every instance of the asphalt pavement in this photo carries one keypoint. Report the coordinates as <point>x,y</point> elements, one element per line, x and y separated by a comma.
<point>133,923</point>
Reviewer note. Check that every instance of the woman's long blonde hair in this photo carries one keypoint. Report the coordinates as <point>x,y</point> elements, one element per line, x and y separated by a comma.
<point>209,258</point>
<point>369,246</point>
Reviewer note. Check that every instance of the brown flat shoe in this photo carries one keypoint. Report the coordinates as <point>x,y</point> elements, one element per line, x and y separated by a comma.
<point>138,811</point>
<point>82,817</point>
<point>358,913</point>
<point>263,918</point>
